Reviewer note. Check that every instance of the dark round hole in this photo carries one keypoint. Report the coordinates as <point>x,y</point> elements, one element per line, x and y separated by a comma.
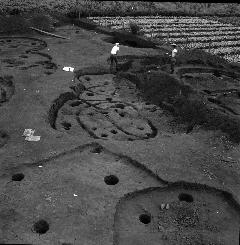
<point>90,94</point>
<point>33,43</point>
<point>114,131</point>
<point>217,74</point>
<point>145,218</point>
<point>94,128</point>
<point>41,226</point>
<point>104,135</point>
<point>121,106</point>
<point>147,103</point>
<point>111,180</point>
<point>185,197</point>
<point>66,125</point>
<point>121,114</point>
<point>9,41</point>
<point>3,135</point>
<point>88,78</point>
<point>109,99</point>
<point>76,103</point>
<point>18,177</point>
<point>97,150</point>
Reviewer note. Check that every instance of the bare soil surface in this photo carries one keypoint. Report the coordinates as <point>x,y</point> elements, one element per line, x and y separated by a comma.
<point>113,166</point>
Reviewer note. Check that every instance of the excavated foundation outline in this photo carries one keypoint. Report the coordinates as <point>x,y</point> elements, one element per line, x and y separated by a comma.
<point>166,185</point>
<point>58,103</point>
<point>35,50</point>
<point>42,46</point>
<point>152,135</point>
<point>222,113</point>
<point>182,71</point>
<point>135,163</point>
<point>63,98</point>
<point>10,87</point>
<point>230,199</point>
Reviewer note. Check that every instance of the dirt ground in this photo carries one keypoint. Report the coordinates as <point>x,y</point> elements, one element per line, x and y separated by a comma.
<point>110,167</point>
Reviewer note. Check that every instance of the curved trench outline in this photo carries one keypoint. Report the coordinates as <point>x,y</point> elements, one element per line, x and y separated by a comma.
<point>200,69</point>
<point>222,119</point>
<point>63,98</point>
<point>4,137</point>
<point>182,71</point>
<point>57,104</point>
<point>152,135</point>
<point>34,50</point>
<point>231,200</point>
<point>229,197</point>
<point>40,47</point>
<point>182,184</point>
<point>7,82</point>
<point>49,57</point>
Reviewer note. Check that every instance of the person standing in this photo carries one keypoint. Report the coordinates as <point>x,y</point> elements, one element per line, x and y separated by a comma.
<point>173,57</point>
<point>113,56</point>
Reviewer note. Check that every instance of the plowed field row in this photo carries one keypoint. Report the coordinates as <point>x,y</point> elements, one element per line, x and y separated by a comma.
<point>188,32</point>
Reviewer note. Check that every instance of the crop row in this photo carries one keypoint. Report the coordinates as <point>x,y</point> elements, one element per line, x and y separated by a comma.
<point>169,25</point>
<point>149,17</point>
<point>224,50</point>
<point>186,29</point>
<point>202,39</point>
<point>188,32</point>
<point>232,57</point>
<point>155,19</point>
<point>205,34</point>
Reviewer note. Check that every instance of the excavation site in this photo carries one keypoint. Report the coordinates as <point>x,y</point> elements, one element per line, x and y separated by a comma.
<point>137,155</point>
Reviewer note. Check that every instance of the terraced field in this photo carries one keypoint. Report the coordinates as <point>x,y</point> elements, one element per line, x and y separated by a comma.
<point>189,32</point>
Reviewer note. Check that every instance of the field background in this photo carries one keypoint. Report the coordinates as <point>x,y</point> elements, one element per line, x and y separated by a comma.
<point>122,8</point>
<point>190,25</point>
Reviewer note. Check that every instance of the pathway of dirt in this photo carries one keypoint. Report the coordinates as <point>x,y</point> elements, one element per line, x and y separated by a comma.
<point>108,165</point>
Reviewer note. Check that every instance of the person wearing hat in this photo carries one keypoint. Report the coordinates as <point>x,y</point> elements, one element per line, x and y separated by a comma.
<point>113,56</point>
<point>173,57</point>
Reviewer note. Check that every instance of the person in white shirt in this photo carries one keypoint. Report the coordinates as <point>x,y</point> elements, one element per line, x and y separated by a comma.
<point>113,56</point>
<point>173,57</point>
